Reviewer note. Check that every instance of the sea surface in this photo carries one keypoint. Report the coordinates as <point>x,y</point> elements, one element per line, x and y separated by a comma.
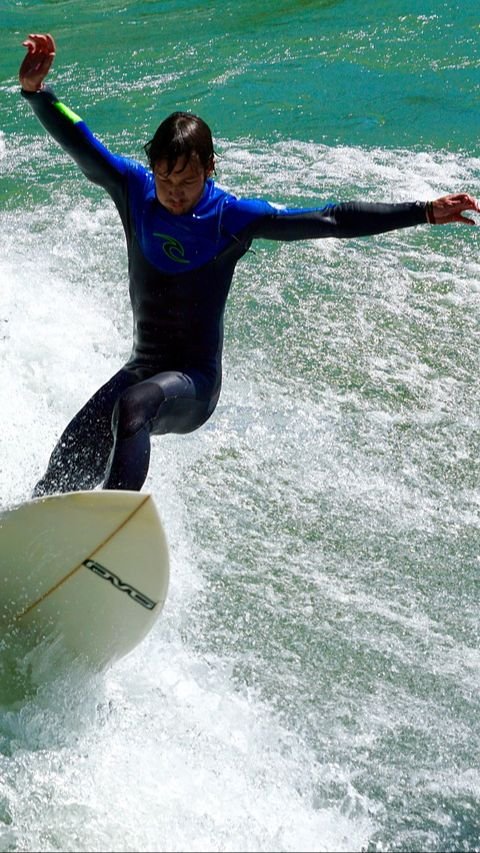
<point>313,681</point>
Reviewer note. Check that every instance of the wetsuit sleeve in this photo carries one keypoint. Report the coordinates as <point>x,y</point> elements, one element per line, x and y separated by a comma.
<point>70,131</point>
<point>351,219</point>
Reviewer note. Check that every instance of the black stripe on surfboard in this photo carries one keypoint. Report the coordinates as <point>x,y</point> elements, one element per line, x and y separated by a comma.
<point>117,583</point>
<point>76,568</point>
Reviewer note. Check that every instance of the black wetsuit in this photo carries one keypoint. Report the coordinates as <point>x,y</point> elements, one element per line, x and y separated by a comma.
<point>180,271</point>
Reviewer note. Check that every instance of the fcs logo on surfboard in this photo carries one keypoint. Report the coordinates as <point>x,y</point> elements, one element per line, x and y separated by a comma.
<point>107,575</point>
<point>172,248</point>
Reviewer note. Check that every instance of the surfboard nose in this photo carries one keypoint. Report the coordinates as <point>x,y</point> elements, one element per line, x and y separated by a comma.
<point>89,568</point>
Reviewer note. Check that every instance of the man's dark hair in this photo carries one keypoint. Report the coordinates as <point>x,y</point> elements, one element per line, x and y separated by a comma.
<point>181,135</point>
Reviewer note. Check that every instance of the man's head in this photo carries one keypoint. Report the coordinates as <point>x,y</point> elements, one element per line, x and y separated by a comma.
<point>181,157</point>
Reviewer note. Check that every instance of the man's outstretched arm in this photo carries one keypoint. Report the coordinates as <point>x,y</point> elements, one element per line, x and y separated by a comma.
<point>96,162</point>
<point>361,219</point>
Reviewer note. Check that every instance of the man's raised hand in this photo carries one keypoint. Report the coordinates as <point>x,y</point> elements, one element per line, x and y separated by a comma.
<point>36,64</point>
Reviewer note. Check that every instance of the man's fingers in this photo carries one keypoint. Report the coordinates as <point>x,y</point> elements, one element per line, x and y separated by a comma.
<point>40,43</point>
<point>29,44</point>
<point>36,64</point>
<point>466,201</point>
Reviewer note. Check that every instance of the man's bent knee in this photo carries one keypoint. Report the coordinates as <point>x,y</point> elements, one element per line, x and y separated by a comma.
<point>136,408</point>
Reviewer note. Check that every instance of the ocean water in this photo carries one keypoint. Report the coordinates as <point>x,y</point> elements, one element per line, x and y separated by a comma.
<point>313,681</point>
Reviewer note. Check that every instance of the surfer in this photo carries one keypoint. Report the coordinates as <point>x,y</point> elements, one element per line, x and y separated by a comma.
<point>184,238</point>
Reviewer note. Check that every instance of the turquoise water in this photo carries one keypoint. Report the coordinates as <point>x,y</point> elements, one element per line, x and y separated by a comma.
<point>313,681</point>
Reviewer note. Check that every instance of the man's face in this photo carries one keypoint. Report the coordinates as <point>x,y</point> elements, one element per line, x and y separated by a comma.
<point>180,190</point>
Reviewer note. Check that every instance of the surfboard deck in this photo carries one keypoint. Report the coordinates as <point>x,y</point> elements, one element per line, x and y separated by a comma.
<point>89,568</point>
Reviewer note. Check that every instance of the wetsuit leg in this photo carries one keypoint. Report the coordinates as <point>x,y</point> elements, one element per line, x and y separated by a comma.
<point>81,455</point>
<point>170,401</point>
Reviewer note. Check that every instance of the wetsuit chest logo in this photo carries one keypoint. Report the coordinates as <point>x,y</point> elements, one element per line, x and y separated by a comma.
<point>172,247</point>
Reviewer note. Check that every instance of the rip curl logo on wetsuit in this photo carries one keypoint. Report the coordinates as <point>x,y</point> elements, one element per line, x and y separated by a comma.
<point>172,248</point>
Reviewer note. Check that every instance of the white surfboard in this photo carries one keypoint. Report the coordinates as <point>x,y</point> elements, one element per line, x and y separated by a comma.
<point>88,569</point>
